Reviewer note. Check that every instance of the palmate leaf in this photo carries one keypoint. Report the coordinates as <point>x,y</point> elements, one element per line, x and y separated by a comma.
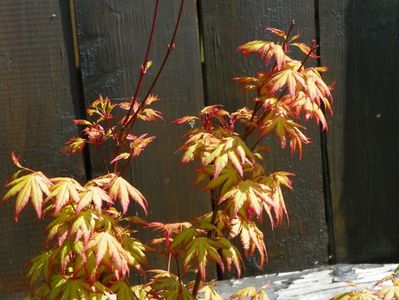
<point>102,107</point>
<point>141,292</point>
<point>284,126</point>
<point>201,249</point>
<point>389,292</point>
<point>211,113</point>
<point>195,145</point>
<point>248,194</point>
<point>33,186</point>
<point>168,229</point>
<point>230,149</point>
<point>227,178</point>
<point>120,189</point>
<point>316,88</point>
<point>209,292</point>
<point>165,285</point>
<point>70,224</point>
<point>265,49</point>
<point>83,225</point>
<point>138,144</point>
<point>303,103</point>
<point>231,255</point>
<point>275,181</point>
<point>123,290</point>
<point>184,237</point>
<point>73,145</point>
<point>66,252</point>
<point>363,295</point>
<point>40,267</point>
<point>135,250</point>
<point>150,115</point>
<point>288,77</point>
<point>92,195</point>
<point>64,191</point>
<point>183,120</point>
<point>251,238</point>
<point>66,289</point>
<point>250,293</point>
<point>305,49</point>
<point>109,251</point>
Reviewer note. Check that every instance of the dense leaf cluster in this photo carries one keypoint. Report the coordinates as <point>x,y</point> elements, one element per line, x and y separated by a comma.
<point>91,248</point>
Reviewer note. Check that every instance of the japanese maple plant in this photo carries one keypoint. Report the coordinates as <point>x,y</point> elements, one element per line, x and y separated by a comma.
<point>91,244</point>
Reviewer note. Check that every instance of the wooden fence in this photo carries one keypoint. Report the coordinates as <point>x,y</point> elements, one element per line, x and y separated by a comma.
<point>344,206</point>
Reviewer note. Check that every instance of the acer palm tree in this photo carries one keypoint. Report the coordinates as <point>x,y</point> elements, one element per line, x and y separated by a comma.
<point>91,246</point>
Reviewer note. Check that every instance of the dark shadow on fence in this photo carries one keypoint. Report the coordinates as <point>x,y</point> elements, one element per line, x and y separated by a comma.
<point>369,201</point>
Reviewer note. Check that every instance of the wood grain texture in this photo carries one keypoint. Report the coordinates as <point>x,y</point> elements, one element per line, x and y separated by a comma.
<point>226,25</point>
<point>360,44</point>
<point>312,284</point>
<point>113,36</point>
<point>37,107</point>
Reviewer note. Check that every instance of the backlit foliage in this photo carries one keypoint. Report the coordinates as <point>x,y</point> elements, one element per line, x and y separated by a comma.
<point>91,246</point>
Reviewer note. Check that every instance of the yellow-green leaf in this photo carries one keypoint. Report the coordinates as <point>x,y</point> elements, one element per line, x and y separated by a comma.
<point>33,186</point>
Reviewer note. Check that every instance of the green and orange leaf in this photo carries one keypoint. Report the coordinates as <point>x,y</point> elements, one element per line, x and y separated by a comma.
<point>250,293</point>
<point>66,288</point>
<point>109,251</point>
<point>209,292</point>
<point>64,190</point>
<point>165,285</point>
<point>138,144</point>
<point>123,290</point>
<point>186,119</point>
<point>34,187</point>
<point>230,150</point>
<point>252,239</point>
<point>93,195</point>
<point>390,292</point>
<point>74,144</point>
<point>289,78</point>
<point>199,250</point>
<point>362,295</point>
<point>150,115</point>
<point>120,189</point>
<point>266,50</point>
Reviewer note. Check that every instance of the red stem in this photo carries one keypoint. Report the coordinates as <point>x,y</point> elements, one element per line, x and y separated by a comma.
<point>249,130</point>
<point>313,48</point>
<point>288,35</point>
<point>143,71</point>
<point>171,47</point>
<point>214,198</point>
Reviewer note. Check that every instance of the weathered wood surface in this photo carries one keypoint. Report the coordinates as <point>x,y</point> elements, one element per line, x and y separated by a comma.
<point>226,25</point>
<point>113,37</point>
<point>313,284</point>
<point>360,44</point>
<point>36,88</point>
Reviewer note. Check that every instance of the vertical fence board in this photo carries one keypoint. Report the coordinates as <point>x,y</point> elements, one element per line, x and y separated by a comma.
<point>360,44</point>
<point>37,108</point>
<point>113,36</point>
<point>226,25</point>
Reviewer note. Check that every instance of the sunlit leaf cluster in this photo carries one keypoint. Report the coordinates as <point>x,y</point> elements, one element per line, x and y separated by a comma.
<point>91,246</point>
<point>231,153</point>
<point>386,288</point>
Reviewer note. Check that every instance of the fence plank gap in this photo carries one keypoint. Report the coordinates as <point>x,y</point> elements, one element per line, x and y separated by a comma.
<point>111,53</point>
<point>360,42</point>
<point>38,102</point>
<point>228,24</point>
